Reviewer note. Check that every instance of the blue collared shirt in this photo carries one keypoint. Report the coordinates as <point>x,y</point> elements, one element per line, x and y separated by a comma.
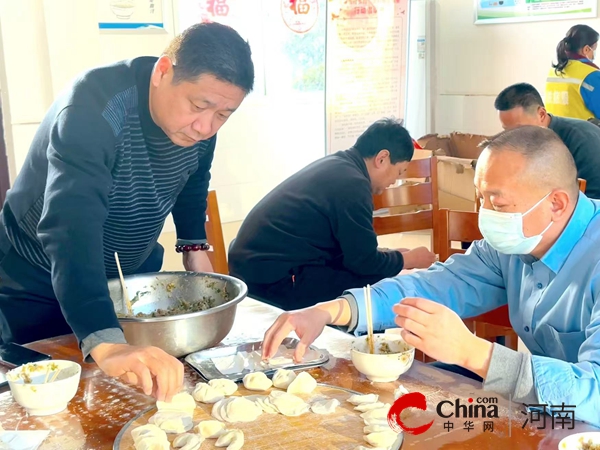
<point>552,305</point>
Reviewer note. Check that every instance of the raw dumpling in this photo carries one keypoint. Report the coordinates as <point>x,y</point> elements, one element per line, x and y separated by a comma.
<point>224,386</point>
<point>358,399</point>
<point>210,429</point>
<point>172,422</point>
<point>376,428</point>
<point>240,409</point>
<point>399,391</point>
<point>149,437</point>
<point>304,383</point>
<point>381,439</point>
<point>217,407</point>
<point>325,406</point>
<point>183,402</point>
<point>289,405</point>
<point>263,402</point>
<point>257,381</point>
<point>188,441</point>
<point>205,393</point>
<point>152,443</point>
<point>283,378</point>
<point>232,439</point>
<point>379,413</point>
<point>145,430</point>
<point>364,407</point>
<point>376,421</point>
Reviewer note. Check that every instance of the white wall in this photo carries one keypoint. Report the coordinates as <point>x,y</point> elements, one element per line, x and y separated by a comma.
<point>475,62</point>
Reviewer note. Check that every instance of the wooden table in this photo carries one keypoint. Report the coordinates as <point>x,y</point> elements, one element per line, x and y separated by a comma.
<point>104,405</point>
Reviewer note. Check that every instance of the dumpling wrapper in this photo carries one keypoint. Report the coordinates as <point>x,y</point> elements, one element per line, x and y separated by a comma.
<point>257,381</point>
<point>240,409</point>
<point>232,439</point>
<point>325,406</point>
<point>210,429</point>
<point>172,422</point>
<point>224,386</point>
<point>263,402</point>
<point>205,393</point>
<point>359,399</point>
<point>304,383</point>
<point>381,439</point>
<point>283,378</point>
<point>217,407</point>
<point>188,441</point>
<point>183,402</point>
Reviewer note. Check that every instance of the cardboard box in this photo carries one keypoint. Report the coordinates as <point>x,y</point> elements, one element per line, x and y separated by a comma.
<point>457,154</point>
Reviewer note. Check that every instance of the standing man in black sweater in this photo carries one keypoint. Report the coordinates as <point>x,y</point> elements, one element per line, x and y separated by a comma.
<point>312,237</point>
<point>123,147</point>
<point>521,104</point>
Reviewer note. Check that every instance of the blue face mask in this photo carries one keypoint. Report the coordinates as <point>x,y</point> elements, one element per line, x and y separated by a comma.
<point>504,231</point>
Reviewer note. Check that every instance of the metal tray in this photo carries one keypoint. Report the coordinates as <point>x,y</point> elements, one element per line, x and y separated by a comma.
<point>202,361</point>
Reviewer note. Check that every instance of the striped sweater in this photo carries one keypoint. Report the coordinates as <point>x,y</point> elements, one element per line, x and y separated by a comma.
<point>101,177</point>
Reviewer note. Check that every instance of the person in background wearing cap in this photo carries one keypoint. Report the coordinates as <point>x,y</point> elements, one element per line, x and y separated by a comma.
<point>538,256</point>
<point>123,147</point>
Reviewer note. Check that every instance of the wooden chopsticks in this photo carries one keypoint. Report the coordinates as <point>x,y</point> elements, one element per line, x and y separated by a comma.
<point>123,286</point>
<point>367,292</point>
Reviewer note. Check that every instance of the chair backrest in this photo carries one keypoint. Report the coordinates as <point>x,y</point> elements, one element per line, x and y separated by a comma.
<point>456,226</point>
<point>582,184</point>
<point>214,235</point>
<point>422,193</point>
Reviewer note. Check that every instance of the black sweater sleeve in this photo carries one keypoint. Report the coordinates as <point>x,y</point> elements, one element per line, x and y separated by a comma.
<point>189,212</point>
<point>353,228</point>
<point>80,156</point>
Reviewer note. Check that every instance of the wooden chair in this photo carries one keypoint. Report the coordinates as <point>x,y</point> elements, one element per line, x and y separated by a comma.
<point>582,184</point>
<point>422,193</point>
<point>214,235</point>
<point>463,226</point>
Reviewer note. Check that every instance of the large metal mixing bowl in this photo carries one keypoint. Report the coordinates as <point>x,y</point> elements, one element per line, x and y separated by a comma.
<point>183,334</point>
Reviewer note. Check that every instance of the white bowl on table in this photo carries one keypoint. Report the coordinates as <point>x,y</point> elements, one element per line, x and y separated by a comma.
<point>392,357</point>
<point>32,389</point>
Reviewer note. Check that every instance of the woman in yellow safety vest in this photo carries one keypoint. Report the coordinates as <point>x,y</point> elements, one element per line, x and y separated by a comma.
<point>573,84</point>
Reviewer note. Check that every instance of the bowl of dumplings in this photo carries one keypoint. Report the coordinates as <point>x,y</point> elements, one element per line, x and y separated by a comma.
<point>391,358</point>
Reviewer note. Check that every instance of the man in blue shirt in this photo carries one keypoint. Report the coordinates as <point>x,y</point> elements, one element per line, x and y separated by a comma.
<point>539,256</point>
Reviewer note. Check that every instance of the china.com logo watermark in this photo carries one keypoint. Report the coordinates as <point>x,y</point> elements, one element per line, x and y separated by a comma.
<point>465,410</point>
<point>481,407</point>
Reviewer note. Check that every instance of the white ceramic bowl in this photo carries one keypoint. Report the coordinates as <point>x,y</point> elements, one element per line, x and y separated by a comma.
<point>382,367</point>
<point>42,398</point>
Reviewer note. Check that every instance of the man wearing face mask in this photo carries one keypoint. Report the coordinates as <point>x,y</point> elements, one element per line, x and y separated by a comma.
<point>538,256</point>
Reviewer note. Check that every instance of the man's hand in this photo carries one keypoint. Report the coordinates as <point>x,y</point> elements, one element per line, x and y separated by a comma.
<point>158,373</point>
<point>439,333</point>
<point>197,262</point>
<point>308,324</point>
<point>418,258</point>
<point>403,250</point>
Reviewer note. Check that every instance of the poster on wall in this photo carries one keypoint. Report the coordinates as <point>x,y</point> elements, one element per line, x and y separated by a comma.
<point>507,11</point>
<point>367,43</point>
<point>130,14</point>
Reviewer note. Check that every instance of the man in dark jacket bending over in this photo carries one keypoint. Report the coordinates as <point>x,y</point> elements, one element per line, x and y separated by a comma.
<point>312,237</point>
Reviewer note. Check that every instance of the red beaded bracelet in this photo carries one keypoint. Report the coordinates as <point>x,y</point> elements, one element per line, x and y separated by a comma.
<point>192,247</point>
